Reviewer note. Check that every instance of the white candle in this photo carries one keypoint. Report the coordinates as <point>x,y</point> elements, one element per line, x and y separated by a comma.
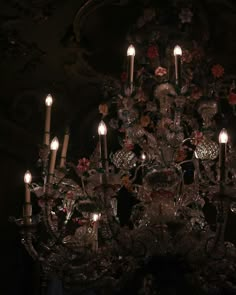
<point>64,148</point>
<point>54,147</point>
<point>27,213</point>
<point>27,181</point>
<point>223,140</point>
<point>27,209</point>
<point>48,103</point>
<point>131,55</point>
<point>102,131</point>
<point>178,70</point>
<point>95,231</point>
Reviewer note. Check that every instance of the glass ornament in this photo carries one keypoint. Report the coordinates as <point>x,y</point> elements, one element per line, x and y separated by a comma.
<point>207,150</point>
<point>124,159</point>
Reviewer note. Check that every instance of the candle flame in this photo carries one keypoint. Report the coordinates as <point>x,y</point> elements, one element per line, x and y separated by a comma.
<point>102,128</point>
<point>95,217</point>
<point>131,50</point>
<point>48,100</point>
<point>27,177</point>
<point>223,136</point>
<point>54,144</point>
<point>177,50</point>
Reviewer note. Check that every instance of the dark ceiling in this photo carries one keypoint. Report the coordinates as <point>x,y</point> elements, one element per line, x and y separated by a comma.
<point>49,46</point>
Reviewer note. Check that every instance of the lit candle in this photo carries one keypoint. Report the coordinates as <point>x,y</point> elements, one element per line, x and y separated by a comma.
<point>48,103</point>
<point>95,231</point>
<point>54,147</point>
<point>27,209</point>
<point>131,55</point>
<point>27,181</point>
<point>102,131</point>
<point>64,148</point>
<point>223,140</point>
<point>178,70</point>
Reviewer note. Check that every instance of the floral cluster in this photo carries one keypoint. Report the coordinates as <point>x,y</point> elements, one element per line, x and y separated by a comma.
<point>83,165</point>
<point>160,71</point>
<point>217,71</point>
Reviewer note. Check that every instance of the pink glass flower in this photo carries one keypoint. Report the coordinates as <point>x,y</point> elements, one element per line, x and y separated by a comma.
<point>83,165</point>
<point>160,71</point>
<point>197,137</point>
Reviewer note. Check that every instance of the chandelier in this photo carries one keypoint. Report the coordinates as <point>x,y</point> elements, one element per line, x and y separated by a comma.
<point>170,158</point>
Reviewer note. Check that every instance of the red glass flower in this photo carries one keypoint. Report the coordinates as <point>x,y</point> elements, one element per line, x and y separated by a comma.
<point>232,98</point>
<point>152,52</point>
<point>217,71</point>
<point>83,165</point>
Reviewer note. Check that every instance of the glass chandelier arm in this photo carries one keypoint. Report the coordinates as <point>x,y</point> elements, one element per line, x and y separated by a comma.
<point>186,161</point>
<point>46,212</point>
<point>136,172</point>
<point>28,244</point>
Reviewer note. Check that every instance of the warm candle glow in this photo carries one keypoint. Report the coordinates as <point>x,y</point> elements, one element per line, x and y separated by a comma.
<point>48,100</point>
<point>143,156</point>
<point>131,51</point>
<point>54,144</point>
<point>27,177</point>
<point>177,50</point>
<point>95,217</point>
<point>223,136</point>
<point>102,128</point>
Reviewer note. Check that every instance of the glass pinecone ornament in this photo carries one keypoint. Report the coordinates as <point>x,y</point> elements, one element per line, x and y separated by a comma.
<point>207,150</point>
<point>124,159</point>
